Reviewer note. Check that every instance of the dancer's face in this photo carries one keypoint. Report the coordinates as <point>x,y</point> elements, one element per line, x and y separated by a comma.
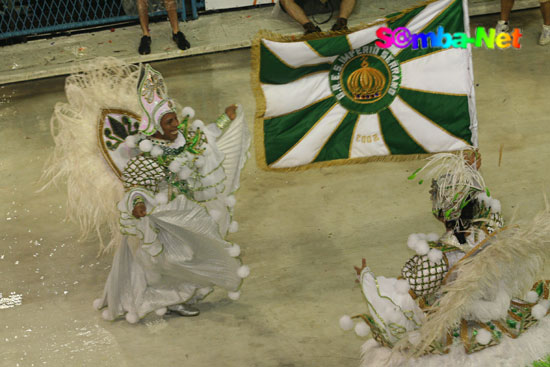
<point>169,124</point>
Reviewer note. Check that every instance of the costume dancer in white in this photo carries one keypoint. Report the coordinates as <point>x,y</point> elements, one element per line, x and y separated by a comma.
<point>119,140</point>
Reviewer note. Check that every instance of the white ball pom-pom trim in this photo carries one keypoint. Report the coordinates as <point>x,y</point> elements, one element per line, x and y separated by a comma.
<point>131,141</point>
<point>532,297</point>
<point>362,329</point>
<point>197,124</point>
<point>411,241</point>
<point>234,295</point>
<point>346,323</point>
<point>161,311</point>
<point>483,337</point>
<point>234,250</point>
<point>98,302</point>
<point>156,151</point>
<point>233,227</point>
<point>132,317</point>
<point>184,173</point>
<point>243,271</point>
<point>188,112</point>
<point>106,315</point>
<point>435,255</point>
<point>161,198</point>
<point>230,201</point>
<point>402,286</point>
<point>539,311</point>
<point>432,237</point>
<point>145,145</point>
<point>174,166</point>
<point>422,247</point>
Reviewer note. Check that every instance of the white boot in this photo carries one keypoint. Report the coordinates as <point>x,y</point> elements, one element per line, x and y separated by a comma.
<point>544,35</point>
<point>502,26</point>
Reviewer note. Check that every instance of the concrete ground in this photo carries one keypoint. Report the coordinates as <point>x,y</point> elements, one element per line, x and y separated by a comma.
<point>300,232</point>
<point>209,33</point>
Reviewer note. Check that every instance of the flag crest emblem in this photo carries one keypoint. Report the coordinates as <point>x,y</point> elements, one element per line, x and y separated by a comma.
<point>365,80</point>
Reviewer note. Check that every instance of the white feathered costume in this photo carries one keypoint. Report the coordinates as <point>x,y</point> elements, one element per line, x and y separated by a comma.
<point>104,148</point>
<point>457,302</point>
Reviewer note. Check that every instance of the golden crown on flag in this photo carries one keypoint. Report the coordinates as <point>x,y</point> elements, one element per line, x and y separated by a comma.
<point>366,83</point>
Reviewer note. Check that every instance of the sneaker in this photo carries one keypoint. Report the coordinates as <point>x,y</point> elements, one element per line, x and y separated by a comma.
<point>145,45</point>
<point>502,27</point>
<point>181,41</point>
<point>184,310</point>
<point>340,25</point>
<point>545,35</point>
<point>311,28</point>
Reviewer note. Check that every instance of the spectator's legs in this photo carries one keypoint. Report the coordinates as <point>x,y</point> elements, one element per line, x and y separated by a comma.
<point>172,9</point>
<point>298,14</point>
<point>295,11</point>
<point>177,36</point>
<point>545,10</point>
<point>346,7</point>
<point>145,42</point>
<point>545,34</point>
<point>143,10</point>
<point>505,9</point>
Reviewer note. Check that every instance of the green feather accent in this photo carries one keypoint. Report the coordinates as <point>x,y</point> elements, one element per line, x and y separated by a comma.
<point>487,192</point>
<point>539,289</point>
<point>413,176</point>
<point>183,125</point>
<point>420,182</point>
<point>448,213</point>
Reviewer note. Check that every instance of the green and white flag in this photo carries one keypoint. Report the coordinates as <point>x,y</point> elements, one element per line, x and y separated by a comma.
<point>338,98</point>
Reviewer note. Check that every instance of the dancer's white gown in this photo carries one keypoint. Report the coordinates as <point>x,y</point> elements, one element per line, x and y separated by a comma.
<point>178,252</point>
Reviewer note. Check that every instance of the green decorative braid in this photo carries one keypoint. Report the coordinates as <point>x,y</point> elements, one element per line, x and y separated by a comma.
<point>223,122</point>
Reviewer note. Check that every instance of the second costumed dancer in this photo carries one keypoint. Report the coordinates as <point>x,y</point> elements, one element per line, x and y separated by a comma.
<point>163,185</point>
<point>467,298</point>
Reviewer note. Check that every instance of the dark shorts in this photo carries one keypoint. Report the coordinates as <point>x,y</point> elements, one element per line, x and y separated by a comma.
<point>300,3</point>
<point>312,7</point>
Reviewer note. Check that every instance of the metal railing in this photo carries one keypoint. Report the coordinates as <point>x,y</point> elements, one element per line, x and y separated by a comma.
<point>30,17</point>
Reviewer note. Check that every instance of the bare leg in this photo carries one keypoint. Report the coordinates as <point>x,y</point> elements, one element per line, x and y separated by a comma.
<point>295,11</point>
<point>172,9</point>
<point>505,9</point>
<point>545,10</point>
<point>346,7</point>
<point>143,10</point>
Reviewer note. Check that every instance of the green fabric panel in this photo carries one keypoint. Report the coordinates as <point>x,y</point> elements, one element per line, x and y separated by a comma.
<point>401,22</point>
<point>396,138</point>
<point>283,132</point>
<point>332,46</point>
<point>449,112</point>
<point>337,146</point>
<point>545,362</point>
<point>273,71</point>
<point>452,21</point>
